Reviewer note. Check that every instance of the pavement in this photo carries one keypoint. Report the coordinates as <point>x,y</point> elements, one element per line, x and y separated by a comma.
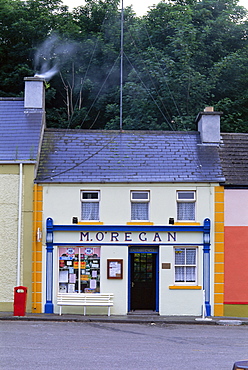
<point>135,318</point>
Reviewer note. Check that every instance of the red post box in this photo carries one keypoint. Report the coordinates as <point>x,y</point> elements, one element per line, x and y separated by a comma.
<point>20,299</point>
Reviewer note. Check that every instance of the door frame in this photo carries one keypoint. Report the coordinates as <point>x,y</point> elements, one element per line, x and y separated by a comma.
<point>144,249</point>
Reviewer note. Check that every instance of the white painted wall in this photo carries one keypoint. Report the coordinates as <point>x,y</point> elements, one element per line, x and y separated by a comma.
<point>62,202</point>
<point>178,302</point>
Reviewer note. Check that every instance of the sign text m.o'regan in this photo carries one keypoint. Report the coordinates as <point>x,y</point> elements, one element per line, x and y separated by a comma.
<point>114,237</point>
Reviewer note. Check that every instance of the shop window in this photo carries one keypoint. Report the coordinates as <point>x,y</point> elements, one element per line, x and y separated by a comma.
<point>79,270</point>
<point>186,205</point>
<point>140,205</point>
<point>90,205</point>
<point>185,265</point>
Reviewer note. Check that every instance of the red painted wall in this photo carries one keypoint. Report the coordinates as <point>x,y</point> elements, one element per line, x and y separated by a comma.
<point>236,264</point>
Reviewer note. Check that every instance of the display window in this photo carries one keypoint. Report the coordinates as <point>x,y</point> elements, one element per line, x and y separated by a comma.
<point>79,269</point>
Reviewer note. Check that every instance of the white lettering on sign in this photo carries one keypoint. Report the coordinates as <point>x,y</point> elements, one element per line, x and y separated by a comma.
<point>114,237</point>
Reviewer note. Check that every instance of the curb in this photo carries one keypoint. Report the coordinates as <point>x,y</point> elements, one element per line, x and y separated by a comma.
<point>127,320</point>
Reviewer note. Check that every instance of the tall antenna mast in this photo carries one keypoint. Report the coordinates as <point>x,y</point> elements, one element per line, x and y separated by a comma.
<point>121,65</point>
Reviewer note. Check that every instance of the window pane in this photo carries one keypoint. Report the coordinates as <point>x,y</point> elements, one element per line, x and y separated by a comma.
<point>190,256</point>
<point>179,274</point>
<point>139,211</point>
<point>190,274</point>
<point>180,256</point>
<point>79,269</point>
<point>184,257</point>
<point>186,195</point>
<point>90,195</point>
<point>140,195</point>
<point>186,211</point>
<point>90,211</point>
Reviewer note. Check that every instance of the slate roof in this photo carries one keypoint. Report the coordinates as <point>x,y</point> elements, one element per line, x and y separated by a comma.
<point>76,156</point>
<point>234,158</point>
<point>20,132</point>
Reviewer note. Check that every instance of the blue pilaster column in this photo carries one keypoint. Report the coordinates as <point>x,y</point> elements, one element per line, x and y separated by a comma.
<point>49,266</point>
<point>206,264</point>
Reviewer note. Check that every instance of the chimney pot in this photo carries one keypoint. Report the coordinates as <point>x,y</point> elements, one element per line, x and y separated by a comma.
<point>209,109</point>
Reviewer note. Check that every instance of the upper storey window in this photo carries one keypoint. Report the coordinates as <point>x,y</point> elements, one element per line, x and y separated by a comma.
<point>186,200</point>
<point>140,205</point>
<point>90,205</point>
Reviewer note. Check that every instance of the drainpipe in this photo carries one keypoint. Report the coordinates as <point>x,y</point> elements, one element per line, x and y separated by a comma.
<point>19,231</point>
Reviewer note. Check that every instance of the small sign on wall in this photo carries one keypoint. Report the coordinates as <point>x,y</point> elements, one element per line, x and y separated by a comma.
<point>166,266</point>
<point>115,269</point>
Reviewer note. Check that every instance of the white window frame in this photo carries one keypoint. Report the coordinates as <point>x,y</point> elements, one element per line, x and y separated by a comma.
<point>186,200</point>
<point>134,200</point>
<point>96,200</point>
<point>184,265</point>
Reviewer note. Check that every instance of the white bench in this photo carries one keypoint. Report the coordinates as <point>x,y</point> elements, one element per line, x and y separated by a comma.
<point>85,299</point>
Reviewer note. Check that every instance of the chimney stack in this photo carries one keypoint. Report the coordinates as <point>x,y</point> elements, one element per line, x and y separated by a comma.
<point>34,93</point>
<point>209,126</point>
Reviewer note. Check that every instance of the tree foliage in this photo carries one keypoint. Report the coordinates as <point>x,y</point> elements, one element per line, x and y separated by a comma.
<point>181,56</point>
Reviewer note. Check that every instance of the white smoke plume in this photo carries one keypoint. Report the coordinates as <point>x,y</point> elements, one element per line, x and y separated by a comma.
<point>51,55</point>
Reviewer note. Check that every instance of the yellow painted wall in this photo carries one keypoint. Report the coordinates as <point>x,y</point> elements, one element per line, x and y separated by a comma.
<point>9,203</point>
<point>37,250</point>
<point>219,252</point>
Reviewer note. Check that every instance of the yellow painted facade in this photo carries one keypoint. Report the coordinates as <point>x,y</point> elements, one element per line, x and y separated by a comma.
<point>37,250</point>
<point>10,267</point>
<point>219,252</point>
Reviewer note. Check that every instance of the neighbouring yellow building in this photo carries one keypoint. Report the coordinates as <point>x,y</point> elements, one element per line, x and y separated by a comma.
<point>21,128</point>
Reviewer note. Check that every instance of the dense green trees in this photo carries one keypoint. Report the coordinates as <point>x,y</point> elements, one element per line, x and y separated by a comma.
<point>180,57</point>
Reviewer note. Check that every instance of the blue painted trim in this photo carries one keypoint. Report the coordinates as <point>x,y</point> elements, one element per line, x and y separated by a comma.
<point>208,308</point>
<point>205,229</point>
<point>49,307</point>
<point>137,245</point>
<point>49,267</point>
<point>170,228</point>
<point>206,265</point>
<point>129,284</point>
<point>130,281</point>
<point>157,282</point>
<point>129,244</point>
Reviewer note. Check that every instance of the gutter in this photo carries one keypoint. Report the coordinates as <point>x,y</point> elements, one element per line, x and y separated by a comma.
<point>18,162</point>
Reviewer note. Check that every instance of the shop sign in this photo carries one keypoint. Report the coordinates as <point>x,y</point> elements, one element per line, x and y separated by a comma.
<point>114,237</point>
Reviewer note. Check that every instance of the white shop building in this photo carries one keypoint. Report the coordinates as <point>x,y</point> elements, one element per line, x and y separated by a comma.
<point>130,213</point>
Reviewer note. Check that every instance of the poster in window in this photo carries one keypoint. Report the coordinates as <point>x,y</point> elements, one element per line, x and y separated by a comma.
<point>92,284</point>
<point>115,269</point>
<point>63,276</point>
<point>71,288</point>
